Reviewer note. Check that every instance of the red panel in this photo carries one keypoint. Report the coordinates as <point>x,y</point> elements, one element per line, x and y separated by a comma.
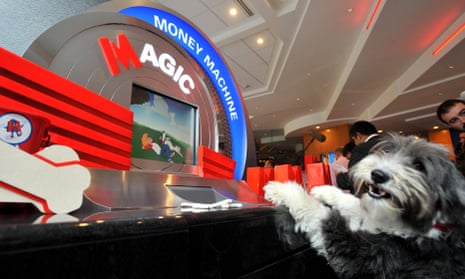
<point>317,175</point>
<point>256,179</point>
<point>98,129</point>
<point>283,173</point>
<point>297,174</point>
<point>308,159</point>
<point>214,164</point>
<point>269,174</point>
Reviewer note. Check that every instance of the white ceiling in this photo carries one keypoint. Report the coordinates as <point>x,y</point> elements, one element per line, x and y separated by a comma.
<point>321,65</point>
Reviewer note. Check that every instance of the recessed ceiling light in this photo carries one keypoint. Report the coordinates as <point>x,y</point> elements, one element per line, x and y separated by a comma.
<point>260,41</point>
<point>349,10</point>
<point>451,66</point>
<point>435,127</point>
<point>233,11</point>
<point>317,127</point>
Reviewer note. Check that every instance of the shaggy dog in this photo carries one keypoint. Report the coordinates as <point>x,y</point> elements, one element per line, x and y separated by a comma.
<point>405,221</point>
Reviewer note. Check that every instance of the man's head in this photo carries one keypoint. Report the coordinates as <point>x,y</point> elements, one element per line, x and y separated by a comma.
<point>360,130</point>
<point>338,152</point>
<point>452,113</point>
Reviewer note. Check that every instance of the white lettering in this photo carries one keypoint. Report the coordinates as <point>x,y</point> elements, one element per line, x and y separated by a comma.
<point>186,84</point>
<point>221,82</point>
<point>167,64</point>
<point>173,30</point>
<point>182,84</point>
<point>148,54</point>
<point>178,73</point>
<point>198,49</point>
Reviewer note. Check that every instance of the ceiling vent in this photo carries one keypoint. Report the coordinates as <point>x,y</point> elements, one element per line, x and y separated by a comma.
<point>244,7</point>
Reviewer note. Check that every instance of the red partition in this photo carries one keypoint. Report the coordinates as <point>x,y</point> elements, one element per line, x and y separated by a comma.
<point>310,159</point>
<point>98,129</point>
<point>268,174</point>
<point>297,170</point>
<point>283,173</point>
<point>318,174</point>
<point>256,179</point>
<point>214,164</point>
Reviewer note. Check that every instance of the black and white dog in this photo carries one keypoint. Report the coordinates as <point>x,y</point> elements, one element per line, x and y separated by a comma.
<point>407,219</point>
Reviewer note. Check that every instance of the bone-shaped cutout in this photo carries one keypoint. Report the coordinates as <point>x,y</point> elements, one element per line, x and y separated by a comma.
<point>52,180</point>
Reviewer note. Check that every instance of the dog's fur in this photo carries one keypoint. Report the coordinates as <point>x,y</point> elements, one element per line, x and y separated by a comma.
<point>405,221</point>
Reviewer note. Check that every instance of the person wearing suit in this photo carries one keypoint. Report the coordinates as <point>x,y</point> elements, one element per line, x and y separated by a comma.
<point>364,135</point>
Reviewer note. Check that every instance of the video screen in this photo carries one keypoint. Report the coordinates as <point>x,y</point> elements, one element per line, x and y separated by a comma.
<point>165,129</point>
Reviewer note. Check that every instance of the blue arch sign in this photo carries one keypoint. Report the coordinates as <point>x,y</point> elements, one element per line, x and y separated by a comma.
<point>212,63</point>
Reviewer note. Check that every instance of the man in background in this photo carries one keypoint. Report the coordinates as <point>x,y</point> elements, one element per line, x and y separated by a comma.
<point>452,113</point>
<point>364,135</point>
<point>341,163</point>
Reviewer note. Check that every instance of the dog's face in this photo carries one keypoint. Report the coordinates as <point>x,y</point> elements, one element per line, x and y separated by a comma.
<point>412,179</point>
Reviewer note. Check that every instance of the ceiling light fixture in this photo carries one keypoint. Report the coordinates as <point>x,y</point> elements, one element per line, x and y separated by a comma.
<point>375,11</point>
<point>420,117</point>
<point>449,39</point>
<point>233,11</point>
<point>260,41</point>
<point>244,7</point>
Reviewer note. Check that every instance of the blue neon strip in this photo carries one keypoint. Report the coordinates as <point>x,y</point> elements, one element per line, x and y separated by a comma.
<point>237,126</point>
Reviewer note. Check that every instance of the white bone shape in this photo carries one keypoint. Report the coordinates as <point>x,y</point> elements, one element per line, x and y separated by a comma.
<point>52,179</point>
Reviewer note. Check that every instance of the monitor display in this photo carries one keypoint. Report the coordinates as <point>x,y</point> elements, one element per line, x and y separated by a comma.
<point>165,129</point>
<point>331,157</point>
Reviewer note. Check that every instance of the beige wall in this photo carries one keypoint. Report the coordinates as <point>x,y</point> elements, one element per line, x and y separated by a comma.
<point>443,137</point>
<point>336,136</point>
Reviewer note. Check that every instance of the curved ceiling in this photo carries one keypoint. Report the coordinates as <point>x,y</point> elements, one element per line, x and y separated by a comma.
<point>328,63</point>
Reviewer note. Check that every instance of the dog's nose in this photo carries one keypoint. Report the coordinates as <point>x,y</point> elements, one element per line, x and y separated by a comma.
<point>379,176</point>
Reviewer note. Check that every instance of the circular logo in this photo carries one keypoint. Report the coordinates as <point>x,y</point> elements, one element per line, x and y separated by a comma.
<point>15,128</point>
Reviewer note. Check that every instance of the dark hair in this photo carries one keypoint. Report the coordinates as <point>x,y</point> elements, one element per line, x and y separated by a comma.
<point>348,148</point>
<point>362,127</point>
<point>445,107</point>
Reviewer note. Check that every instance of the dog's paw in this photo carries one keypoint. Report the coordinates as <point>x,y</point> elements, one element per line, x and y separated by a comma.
<point>330,195</point>
<point>280,193</point>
